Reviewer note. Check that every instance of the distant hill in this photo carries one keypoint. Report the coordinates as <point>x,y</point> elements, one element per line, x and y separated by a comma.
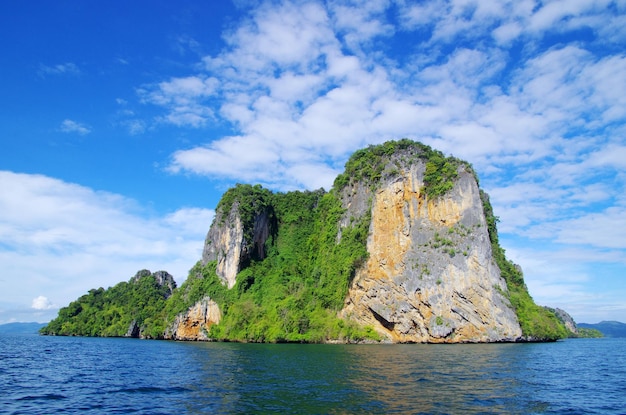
<point>608,328</point>
<point>21,328</point>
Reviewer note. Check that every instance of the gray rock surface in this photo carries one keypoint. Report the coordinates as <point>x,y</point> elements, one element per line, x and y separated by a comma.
<point>227,244</point>
<point>133,330</point>
<point>567,320</point>
<point>430,276</point>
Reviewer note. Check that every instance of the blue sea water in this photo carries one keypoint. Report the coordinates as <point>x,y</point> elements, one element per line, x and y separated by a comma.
<point>49,375</point>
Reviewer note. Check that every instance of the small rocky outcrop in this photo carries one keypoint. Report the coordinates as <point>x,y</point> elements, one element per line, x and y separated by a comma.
<point>194,324</point>
<point>566,319</point>
<point>134,330</point>
<point>165,279</point>
<point>162,278</point>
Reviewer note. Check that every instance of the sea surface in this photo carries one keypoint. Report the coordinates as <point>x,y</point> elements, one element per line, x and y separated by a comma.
<point>49,375</point>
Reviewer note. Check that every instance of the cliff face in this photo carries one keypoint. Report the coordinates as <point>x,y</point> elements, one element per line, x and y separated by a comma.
<point>430,276</point>
<point>232,242</point>
<point>225,244</point>
<point>230,246</point>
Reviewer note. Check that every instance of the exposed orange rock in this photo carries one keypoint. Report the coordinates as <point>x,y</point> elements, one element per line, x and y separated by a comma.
<point>430,276</point>
<point>195,323</point>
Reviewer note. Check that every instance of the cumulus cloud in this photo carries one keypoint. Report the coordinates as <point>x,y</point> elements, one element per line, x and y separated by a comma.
<point>300,92</point>
<point>70,126</point>
<point>190,221</point>
<point>508,20</point>
<point>185,98</point>
<point>42,303</point>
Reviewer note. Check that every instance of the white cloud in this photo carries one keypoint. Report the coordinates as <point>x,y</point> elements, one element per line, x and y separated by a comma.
<point>184,98</point>
<point>507,32</point>
<point>603,229</point>
<point>448,21</point>
<point>300,93</point>
<point>290,35</point>
<point>573,278</point>
<point>569,12</point>
<point>359,22</point>
<point>194,221</point>
<point>42,303</point>
<point>135,126</point>
<point>53,231</point>
<point>69,126</point>
<point>247,157</point>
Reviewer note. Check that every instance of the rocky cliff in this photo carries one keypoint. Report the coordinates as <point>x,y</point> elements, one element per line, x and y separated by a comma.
<point>430,276</point>
<point>164,282</point>
<point>162,279</point>
<point>566,319</point>
<point>234,239</point>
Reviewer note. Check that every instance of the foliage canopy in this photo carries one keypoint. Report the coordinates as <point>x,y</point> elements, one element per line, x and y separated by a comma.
<point>110,312</point>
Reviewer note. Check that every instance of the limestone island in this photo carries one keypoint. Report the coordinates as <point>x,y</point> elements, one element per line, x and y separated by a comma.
<point>402,249</point>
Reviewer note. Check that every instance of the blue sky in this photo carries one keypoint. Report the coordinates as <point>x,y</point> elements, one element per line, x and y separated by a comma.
<point>121,124</point>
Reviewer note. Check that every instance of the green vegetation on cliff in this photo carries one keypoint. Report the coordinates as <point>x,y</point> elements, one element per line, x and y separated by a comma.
<point>537,322</point>
<point>373,163</point>
<point>294,291</point>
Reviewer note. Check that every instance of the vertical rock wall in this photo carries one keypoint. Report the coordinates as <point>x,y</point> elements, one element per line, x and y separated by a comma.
<point>430,276</point>
<point>227,244</point>
<point>224,244</point>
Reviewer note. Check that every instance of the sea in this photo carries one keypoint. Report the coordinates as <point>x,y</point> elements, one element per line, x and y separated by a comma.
<point>65,375</point>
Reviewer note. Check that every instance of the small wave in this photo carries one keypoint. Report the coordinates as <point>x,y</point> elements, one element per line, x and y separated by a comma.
<point>152,389</point>
<point>48,396</point>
